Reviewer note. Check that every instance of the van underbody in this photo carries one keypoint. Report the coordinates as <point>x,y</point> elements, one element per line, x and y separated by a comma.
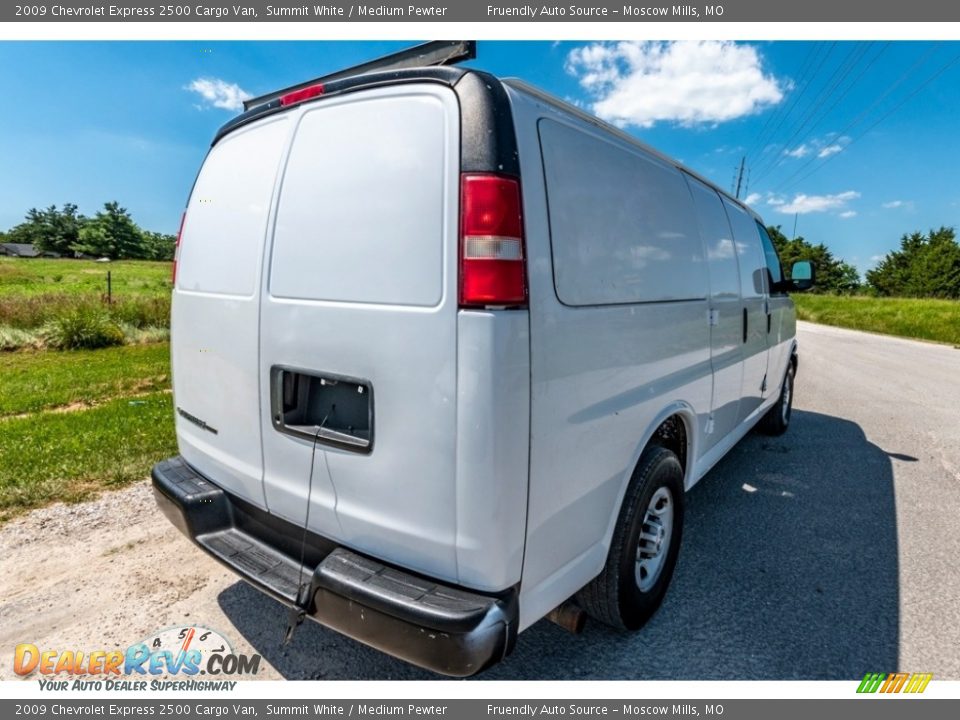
<point>425,449</point>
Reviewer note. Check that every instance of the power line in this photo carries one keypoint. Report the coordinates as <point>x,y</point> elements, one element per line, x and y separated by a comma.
<point>762,141</point>
<point>866,112</point>
<point>826,113</point>
<point>830,86</point>
<point>786,185</point>
<point>804,80</point>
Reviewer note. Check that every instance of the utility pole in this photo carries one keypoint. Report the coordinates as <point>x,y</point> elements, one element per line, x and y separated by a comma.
<point>743,161</point>
<point>795,225</point>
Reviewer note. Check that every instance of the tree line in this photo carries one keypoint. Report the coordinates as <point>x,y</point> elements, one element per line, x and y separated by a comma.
<point>926,266</point>
<point>110,233</point>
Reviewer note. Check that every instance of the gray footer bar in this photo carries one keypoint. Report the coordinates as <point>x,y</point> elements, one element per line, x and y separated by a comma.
<point>873,707</point>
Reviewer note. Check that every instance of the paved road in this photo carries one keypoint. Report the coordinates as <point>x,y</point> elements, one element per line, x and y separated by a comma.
<point>826,553</point>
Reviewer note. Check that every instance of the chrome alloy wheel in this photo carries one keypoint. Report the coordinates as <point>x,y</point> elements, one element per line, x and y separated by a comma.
<point>655,536</point>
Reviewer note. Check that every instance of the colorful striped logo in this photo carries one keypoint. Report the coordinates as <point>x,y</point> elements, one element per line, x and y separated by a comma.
<point>894,682</point>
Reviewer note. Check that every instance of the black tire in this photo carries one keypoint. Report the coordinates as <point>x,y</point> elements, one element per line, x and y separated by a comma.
<point>615,596</point>
<point>777,419</point>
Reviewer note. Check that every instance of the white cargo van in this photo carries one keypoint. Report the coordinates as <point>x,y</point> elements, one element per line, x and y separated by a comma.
<point>447,353</point>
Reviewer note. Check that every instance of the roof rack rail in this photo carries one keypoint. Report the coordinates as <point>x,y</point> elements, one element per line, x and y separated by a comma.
<point>437,52</point>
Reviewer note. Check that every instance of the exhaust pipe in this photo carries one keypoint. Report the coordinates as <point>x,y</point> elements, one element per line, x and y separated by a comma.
<point>569,616</point>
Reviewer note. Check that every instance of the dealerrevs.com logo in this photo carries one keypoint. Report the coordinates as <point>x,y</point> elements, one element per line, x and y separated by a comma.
<point>184,651</point>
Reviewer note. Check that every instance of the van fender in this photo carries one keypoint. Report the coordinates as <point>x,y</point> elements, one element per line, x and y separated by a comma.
<point>689,417</point>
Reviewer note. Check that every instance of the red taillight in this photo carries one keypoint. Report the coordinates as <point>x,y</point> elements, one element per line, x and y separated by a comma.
<point>292,98</point>
<point>492,268</point>
<point>176,249</point>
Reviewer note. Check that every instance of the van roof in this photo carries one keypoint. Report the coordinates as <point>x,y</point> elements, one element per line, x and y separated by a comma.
<point>452,76</point>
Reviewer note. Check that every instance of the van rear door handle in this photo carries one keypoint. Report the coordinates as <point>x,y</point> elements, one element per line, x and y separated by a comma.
<point>744,324</point>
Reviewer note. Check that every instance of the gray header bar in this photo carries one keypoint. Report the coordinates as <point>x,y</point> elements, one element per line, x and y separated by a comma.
<point>631,11</point>
<point>185,708</point>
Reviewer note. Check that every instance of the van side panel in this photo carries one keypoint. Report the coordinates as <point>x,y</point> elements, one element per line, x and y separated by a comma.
<point>726,319</point>
<point>753,296</point>
<point>493,421</point>
<point>601,376</point>
<point>362,284</point>
<point>214,317</point>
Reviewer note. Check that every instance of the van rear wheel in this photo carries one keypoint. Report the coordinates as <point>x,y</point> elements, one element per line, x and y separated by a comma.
<point>644,548</point>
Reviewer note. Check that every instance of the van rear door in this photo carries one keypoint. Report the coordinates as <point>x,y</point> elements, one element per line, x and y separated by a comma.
<point>359,325</point>
<point>215,312</point>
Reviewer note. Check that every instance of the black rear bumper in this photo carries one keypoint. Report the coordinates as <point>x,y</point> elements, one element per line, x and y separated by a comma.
<point>439,627</point>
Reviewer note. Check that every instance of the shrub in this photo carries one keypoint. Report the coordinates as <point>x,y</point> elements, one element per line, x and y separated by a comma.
<point>142,312</point>
<point>27,312</point>
<point>15,339</point>
<point>84,327</point>
<point>31,311</point>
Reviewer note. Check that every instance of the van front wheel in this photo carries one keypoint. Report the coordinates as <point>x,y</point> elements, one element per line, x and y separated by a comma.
<point>777,419</point>
<point>644,548</point>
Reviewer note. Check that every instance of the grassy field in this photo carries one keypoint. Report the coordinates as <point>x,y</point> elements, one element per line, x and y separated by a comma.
<point>937,320</point>
<point>31,382</point>
<point>40,276</point>
<point>75,423</point>
<point>47,303</point>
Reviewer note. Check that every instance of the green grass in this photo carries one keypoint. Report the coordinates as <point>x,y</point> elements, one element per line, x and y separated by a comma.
<point>75,422</point>
<point>71,456</point>
<point>34,381</point>
<point>936,320</point>
<point>41,276</point>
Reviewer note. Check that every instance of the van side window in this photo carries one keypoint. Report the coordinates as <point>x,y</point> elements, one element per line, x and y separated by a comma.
<point>774,269</point>
<point>623,228</point>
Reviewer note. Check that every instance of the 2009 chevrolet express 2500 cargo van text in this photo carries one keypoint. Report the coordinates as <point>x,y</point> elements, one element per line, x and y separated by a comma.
<point>447,353</point>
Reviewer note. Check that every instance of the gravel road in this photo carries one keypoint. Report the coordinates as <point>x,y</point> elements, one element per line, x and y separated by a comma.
<point>823,554</point>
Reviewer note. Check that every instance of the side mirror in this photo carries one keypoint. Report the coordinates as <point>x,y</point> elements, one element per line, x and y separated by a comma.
<point>802,275</point>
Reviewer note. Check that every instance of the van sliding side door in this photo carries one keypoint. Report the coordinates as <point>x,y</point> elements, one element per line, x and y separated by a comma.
<point>753,312</point>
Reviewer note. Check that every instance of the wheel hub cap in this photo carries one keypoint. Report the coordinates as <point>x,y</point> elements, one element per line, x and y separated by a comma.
<point>654,542</point>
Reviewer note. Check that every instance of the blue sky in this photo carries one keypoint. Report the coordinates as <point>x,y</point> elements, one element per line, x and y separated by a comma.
<point>856,141</point>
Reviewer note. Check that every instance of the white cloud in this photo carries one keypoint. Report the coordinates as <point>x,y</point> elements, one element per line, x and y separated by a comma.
<point>908,205</point>
<point>753,198</point>
<point>848,214</point>
<point>829,150</point>
<point>803,204</point>
<point>874,259</point>
<point>642,83</point>
<point>798,152</point>
<point>219,93</point>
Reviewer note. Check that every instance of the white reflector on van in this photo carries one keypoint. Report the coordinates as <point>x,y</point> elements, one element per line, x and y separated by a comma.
<point>492,248</point>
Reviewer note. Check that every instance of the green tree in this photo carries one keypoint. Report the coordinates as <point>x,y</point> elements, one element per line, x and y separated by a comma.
<point>157,246</point>
<point>924,266</point>
<point>833,275</point>
<point>51,230</point>
<point>111,233</point>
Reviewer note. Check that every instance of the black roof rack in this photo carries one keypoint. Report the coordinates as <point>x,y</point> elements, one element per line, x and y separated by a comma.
<point>437,52</point>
